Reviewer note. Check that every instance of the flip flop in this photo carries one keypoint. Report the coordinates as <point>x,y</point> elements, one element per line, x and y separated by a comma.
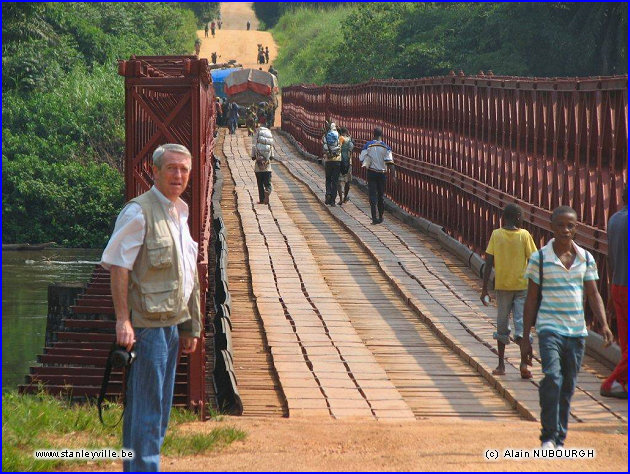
<point>498,372</point>
<point>525,373</point>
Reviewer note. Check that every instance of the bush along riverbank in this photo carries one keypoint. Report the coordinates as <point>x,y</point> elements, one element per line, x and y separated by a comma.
<point>63,111</point>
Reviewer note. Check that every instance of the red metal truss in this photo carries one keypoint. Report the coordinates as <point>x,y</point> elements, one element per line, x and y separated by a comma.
<point>170,99</point>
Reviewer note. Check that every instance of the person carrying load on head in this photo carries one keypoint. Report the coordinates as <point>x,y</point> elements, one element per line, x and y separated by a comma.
<point>262,154</point>
<point>345,170</point>
<point>332,159</point>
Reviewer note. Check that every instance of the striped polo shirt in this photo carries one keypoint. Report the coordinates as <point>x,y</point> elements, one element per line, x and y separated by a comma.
<point>562,306</point>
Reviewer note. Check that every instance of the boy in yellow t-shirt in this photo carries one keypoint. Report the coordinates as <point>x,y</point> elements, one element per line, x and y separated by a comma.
<point>508,251</point>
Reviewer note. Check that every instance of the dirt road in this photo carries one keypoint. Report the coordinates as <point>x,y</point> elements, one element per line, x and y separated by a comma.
<point>233,41</point>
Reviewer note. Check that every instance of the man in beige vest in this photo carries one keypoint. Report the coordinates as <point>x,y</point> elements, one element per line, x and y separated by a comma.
<point>155,288</point>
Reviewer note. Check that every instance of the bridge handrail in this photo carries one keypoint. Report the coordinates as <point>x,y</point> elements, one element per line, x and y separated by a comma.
<point>468,145</point>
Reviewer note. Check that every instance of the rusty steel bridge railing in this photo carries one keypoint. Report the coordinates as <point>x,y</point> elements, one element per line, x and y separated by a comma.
<point>465,146</point>
<point>170,99</point>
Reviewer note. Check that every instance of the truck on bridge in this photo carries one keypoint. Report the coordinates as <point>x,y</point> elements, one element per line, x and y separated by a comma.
<point>248,87</point>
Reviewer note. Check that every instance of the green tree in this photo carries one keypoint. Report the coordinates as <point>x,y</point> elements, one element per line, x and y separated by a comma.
<point>63,111</point>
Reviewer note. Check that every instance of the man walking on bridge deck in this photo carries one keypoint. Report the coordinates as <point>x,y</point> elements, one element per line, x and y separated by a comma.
<point>568,273</point>
<point>377,157</point>
<point>616,385</point>
<point>155,288</point>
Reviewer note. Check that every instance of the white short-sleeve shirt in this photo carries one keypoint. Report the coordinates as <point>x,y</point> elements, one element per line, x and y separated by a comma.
<point>128,236</point>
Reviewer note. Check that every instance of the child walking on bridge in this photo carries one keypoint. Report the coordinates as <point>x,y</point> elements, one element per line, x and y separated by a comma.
<point>508,251</point>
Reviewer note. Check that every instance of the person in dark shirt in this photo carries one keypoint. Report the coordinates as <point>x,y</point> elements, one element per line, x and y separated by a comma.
<point>617,384</point>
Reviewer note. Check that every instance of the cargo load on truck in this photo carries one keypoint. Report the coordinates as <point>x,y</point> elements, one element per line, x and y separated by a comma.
<point>247,87</point>
<point>218,80</point>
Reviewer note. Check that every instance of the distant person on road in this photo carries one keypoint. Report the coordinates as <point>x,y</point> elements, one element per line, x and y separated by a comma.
<point>332,162</point>
<point>267,54</point>
<point>213,57</point>
<point>568,273</point>
<point>206,29</point>
<point>508,252</point>
<point>213,27</point>
<point>218,107</point>
<point>261,114</point>
<point>197,46</point>
<point>232,117</point>
<point>248,25</point>
<point>273,71</point>
<point>250,121</point>
<point>345,170</point>
<point>617,384</point>
<point>377,158</point>
<point>270,112</point>
<point>262,154</point>
<point>219,23</point>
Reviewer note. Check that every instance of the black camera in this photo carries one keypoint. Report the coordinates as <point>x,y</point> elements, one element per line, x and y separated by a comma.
<point>120,357</point>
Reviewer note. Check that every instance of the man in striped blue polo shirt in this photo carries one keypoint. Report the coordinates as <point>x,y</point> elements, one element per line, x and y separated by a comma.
<point>569,271</point>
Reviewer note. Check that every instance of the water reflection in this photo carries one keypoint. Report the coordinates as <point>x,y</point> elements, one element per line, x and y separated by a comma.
<point>25,279</point>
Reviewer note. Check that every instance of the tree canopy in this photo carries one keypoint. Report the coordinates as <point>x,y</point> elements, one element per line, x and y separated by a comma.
<point>408,40</point>
<point>63,111</point>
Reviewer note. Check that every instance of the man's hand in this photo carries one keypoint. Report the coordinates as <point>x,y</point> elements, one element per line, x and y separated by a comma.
<point>608,336</point>
<point>189,344</point>
<point>484,294</point>
<point>526,350</point>
<point>125,335</point>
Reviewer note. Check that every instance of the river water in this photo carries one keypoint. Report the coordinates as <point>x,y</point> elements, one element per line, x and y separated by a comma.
<point>25,279</point>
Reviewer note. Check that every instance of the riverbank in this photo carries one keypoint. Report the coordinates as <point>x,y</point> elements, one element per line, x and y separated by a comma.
<point>26,276</point>
<point>33,422</point>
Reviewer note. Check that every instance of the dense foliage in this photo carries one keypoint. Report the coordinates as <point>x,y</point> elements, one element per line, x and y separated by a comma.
<point>63,111</point>
<point>204,11</point>
<point>406,40</point>
<point>268,13</point>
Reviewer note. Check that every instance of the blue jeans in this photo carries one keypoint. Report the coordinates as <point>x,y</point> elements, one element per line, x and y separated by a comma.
<point>509,301</point>
<point>561,360</point>
<point>150,396</point>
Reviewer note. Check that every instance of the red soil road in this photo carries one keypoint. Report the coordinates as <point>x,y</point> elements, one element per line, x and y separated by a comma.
<point>233,41</point>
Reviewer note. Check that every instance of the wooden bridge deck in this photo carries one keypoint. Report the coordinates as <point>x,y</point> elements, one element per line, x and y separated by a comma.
<point>361,320</point>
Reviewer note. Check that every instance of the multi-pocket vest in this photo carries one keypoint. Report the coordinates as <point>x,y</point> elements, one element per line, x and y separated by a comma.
<point>156,285</point>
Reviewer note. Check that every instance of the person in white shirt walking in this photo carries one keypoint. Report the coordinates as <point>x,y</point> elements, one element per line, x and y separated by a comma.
<point>377,157</point>
<point>155,288</point>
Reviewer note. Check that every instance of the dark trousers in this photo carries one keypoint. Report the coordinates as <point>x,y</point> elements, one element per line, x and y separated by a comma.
<point>376,189</point>
<point>263,178</point>
<point>333,169</point>
<point>561,358</point>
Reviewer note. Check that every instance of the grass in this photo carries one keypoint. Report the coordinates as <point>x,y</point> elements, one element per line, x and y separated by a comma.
<point>305,36</point>
<point>31,422</point>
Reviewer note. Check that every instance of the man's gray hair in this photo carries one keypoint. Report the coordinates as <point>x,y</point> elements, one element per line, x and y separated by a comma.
<point>158,154</point>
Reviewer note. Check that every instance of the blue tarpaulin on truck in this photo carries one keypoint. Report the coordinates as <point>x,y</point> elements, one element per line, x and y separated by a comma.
<point>218,80</point>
